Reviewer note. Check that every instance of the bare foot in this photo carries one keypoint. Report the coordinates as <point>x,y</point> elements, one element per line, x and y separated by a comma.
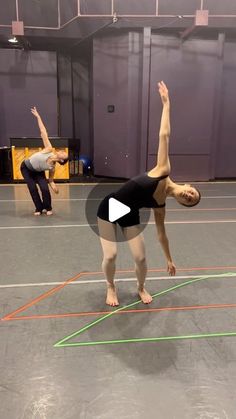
<point>49,213</point>
<point>145,296</point>
<point>112,299</point>
<point>37,213</point>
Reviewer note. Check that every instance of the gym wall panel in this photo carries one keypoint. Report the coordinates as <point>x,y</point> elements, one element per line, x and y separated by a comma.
<point>201,82</point>
<point>134,114</point>
<point>190,71</point>
<point>110,81</point>
<point>83,105</point>
<point>225,166</point>
<point>27,78</point>
<point>186,168</point>
<point>117,81</point>
<point>65,95</point>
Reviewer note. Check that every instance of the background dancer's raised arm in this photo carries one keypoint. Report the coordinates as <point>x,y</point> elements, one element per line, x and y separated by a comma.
<point>42,128</point>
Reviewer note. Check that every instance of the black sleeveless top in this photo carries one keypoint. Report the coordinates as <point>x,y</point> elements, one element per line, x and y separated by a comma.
<point>138,192</point>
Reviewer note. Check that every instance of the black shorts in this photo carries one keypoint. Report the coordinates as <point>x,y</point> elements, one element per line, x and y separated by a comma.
<point>128,220</point>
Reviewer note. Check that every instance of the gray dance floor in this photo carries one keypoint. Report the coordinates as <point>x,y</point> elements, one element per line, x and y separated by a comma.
<point>64,355</point>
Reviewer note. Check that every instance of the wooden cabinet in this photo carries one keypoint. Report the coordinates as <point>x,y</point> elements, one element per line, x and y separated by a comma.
<point>23,148</point>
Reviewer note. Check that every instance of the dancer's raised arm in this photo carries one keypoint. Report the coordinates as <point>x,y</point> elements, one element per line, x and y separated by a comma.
<point>163,162</point>
<point>43,131</point>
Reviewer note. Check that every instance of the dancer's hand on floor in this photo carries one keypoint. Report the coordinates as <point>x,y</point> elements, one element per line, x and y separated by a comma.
<point>171,269</point>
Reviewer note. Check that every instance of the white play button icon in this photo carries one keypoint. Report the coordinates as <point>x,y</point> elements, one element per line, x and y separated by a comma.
<point>117,210</point>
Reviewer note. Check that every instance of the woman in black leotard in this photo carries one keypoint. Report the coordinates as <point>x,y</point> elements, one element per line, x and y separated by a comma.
<point>148,190</point>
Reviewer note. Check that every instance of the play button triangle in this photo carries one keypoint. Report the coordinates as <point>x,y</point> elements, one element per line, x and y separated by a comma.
<point>117,210</point>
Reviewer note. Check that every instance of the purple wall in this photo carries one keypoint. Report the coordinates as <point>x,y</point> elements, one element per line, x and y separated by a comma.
<point>189,69</point>
<point>225,162</point>
<point>125,72</point>
<point>27,78</point>
<point>65,94</point>
<point>110,87</point>
<point>122,71</point>
<point>116,81</point>
<point>82,105</point>
<point>45,80</point>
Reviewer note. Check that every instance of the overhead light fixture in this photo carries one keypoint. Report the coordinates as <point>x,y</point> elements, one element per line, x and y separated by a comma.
<point>13,40</point>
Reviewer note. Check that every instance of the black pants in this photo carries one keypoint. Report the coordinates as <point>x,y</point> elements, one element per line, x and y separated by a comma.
<point>33,178</point>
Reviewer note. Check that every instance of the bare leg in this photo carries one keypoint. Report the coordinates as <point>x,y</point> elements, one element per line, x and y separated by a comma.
<point>109,248</point>
<point>136,244</point>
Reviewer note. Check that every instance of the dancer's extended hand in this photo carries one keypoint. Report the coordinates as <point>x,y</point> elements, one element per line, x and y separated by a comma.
<point>163,91</point>
<point>35,112</point>
<point>54,187</point>
<point>171,269</point>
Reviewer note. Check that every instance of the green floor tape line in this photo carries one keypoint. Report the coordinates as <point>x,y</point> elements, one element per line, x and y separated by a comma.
<point>64,342</point>
<point>138,340</point>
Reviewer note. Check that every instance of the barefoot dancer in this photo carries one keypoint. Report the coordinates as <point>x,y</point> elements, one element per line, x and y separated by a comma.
<point>33,171</point>
<point>147,190</point>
